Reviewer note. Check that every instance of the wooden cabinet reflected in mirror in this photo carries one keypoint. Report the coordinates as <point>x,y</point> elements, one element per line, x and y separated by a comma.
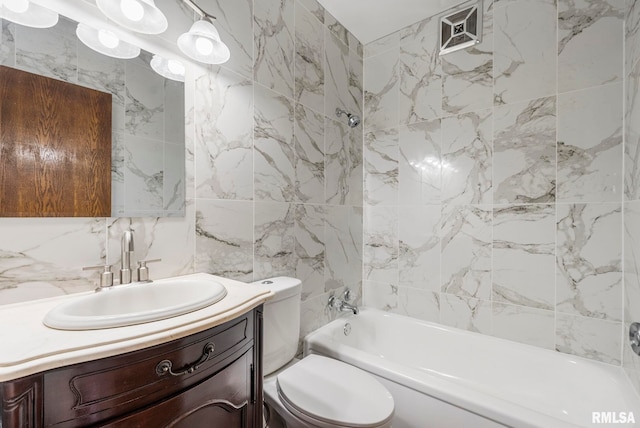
<point>55,148</point>
<point>147,114</point>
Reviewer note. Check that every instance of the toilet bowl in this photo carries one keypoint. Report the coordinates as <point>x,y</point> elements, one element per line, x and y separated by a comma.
<point>316,391</point>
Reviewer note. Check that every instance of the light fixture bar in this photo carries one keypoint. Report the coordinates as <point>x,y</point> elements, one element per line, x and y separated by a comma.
<point>197,9</point>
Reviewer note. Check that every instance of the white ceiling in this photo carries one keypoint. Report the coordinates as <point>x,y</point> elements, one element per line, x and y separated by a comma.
<point>369,20</point>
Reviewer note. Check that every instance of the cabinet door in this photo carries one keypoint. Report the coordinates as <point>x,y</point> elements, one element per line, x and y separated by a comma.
<point>221,401</point>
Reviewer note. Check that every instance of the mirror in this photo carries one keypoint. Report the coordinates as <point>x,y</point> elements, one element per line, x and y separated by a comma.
<point>148,153</point>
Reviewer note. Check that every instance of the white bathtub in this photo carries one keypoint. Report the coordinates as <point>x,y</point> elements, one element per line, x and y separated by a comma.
<point>443,377</point>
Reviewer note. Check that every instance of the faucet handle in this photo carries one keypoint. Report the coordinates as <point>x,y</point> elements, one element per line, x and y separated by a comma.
<point>347,295</point>
<point>143,270</point>
<point>106,277</point>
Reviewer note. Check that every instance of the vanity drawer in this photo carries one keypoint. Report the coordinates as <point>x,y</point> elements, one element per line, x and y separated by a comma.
<point>87,393</point>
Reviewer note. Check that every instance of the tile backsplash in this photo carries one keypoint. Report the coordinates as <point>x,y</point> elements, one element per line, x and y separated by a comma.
<point>493,175</point>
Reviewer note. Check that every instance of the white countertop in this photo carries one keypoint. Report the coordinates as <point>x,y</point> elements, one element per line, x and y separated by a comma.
<point>27,346</point>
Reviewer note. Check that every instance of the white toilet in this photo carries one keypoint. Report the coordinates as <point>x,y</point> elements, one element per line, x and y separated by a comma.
<point>316,391</point>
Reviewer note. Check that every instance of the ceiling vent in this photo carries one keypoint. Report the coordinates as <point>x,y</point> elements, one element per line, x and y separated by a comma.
<point>461,28</point>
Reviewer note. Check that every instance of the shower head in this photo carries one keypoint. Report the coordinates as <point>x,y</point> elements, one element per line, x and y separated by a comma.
<point>352,119</point>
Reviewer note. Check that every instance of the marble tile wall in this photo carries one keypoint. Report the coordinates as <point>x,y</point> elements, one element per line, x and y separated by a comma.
<point>274,178</point>
<point>631,202</point>
<point>493,175</point>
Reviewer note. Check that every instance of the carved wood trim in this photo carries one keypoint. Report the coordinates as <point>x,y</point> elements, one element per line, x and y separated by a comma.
<point>21,403</point>
<point>225,405</point>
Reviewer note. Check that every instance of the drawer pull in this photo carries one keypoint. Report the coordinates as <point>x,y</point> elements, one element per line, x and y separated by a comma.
<point>165,366</point>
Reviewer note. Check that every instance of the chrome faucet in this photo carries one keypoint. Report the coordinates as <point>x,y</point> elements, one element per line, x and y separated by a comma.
<point>125,257</point>
<point>343,305</point>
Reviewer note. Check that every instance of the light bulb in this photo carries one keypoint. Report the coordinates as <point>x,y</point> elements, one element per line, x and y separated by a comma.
<point>132,9</point>
<point>17,6</point>
<point>176,67</point>
<point>108,39</point>
<point>204,46</point>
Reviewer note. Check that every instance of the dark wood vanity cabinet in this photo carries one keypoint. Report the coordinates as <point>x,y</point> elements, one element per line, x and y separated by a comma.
<point>210,379</point>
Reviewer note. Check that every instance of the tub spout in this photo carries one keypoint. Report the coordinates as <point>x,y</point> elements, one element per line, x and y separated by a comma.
<point>344,306</point>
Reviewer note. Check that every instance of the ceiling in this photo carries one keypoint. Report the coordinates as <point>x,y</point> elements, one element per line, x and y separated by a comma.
<point>369,20</point>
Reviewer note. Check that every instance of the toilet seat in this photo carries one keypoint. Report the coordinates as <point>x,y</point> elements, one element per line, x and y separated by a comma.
<point>329,393</point>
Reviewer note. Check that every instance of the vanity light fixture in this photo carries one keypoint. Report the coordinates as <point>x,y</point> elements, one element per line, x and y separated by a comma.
<point>106,42</point>
<point>202,42</point>
<point>26,13</point>
<point>142,16</point>
<point>169,68</point>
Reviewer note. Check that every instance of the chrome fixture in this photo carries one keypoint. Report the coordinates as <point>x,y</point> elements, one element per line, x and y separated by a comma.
<point>125,257</point>
<point>106,42</point>
<point>342,305</point>
<point>634,337</point>
<point>143,270</point>
<point>26,13</point>
<point>106,276</point>
<point>352,119</point>
<point>142,16</point>
<point>461,28</point>
<point>202,42</point>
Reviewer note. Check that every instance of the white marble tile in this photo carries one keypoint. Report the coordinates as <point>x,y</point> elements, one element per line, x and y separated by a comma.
<point>467,158</point>
<point>7,43</point>
<point>524,152</point>
<point>144,102</point>
<point>310,248</point>
<point>224,238</point>
<point>50,52</point>
<point>309,61</point>
<point>101,72</point>
<point>420,163</point>
<point>274,45</point>
<point>190,134</point>
<point>632,261</point>
<point>343,247</point>
<point>632,134</point>
<point>314,7</point>
<point>466,251</point>
<point>143,175</point>
<point>420,74</point>
<point>314,313</point>
<point>274,151</point>
<point>382,90</point>
<point>117,159</point>
<point>525,51</point>
<point>381,155</point>
<point>355,196</point>
<point>590,43</point>
<point>380,296</point>
<point>274,239</point>
<point>589,260</point>
<point>356,82</point>
<point>336,28</point>
<point>168,239</point>
<point>525,325</point>
<point>417,303</point>
<point>336,162</point>
<point>338,91</point>
<point>524,255</point>
<point>309,155</point>
<point>173,197</point>
<point>632,33</point>
<point>223,114</point>
<point>44,257</point>
<point>466,313</point>
<point>467,74</point>
<point>588,337</point>
<point>235,23</point>
<point>383,44</point>
<point>174,112</point>
<point>590,145</point>
<point>419,247</point>
<point>381,244</point>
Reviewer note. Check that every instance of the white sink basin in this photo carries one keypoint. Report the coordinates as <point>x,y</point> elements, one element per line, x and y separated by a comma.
<point>136,303</point>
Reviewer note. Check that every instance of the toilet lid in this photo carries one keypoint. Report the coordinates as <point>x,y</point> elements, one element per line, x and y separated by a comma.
<point>334,392</point>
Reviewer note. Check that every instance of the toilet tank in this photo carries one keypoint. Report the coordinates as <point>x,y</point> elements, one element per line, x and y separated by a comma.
<point>281,316</point>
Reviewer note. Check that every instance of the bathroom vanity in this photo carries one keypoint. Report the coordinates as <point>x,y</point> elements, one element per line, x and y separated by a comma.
<point>198,369</point>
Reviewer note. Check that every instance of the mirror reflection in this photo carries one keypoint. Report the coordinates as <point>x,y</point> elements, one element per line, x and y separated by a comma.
<point>147,113</point>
